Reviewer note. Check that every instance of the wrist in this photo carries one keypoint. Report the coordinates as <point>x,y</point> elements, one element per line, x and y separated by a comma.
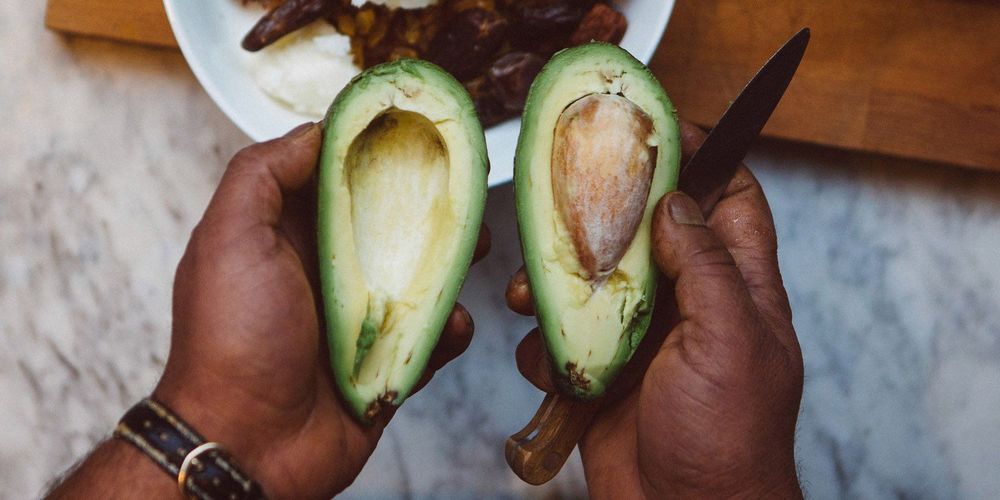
<point>139,467</point>
<point>217,416</point>
<point>113,468</point>
<point>199,467</point>
<point>215,419</point>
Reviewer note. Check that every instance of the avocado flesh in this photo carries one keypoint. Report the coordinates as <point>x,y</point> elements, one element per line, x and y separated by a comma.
<point>591,324</point>
<point>402,187</point>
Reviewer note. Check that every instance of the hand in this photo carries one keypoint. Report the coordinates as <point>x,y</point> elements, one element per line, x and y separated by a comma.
<point>708,405</point>
<point>248,366</point>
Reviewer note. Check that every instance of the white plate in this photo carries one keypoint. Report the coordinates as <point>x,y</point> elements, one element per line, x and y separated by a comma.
<point>209,34</point>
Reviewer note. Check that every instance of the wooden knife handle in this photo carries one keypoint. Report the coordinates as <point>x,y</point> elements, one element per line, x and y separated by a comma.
<point>538,451</point>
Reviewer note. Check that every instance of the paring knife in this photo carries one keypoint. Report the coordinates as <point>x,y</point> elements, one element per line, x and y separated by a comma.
<point>708,172</point>
<point>538,451</point>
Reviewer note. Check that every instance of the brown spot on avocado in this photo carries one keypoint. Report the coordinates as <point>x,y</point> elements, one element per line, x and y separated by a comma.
<point>372,411</point>
<point>577,380</point>
<point>375,407</point>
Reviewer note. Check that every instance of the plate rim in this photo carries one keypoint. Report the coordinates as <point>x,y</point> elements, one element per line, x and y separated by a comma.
<point>211,87</point>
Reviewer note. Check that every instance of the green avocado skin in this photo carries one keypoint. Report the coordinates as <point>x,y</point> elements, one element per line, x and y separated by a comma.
<point>562,81</point>
<point>351,336</point>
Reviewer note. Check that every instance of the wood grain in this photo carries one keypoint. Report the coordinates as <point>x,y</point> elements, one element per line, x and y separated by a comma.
<point>137,21</point>
<point>537,452</point>
<point>911,78</point>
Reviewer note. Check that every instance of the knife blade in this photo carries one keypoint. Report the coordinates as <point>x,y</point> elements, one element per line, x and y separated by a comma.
<point>708,172</point>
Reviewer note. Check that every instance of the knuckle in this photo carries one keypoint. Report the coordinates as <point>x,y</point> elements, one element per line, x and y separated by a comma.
<point>756,237</point>
<point>202,247</point>
<point>701,343</point>
<point>711,257</point>
<point>267,190</point>
<point>271,243</point>
<point>751,230</point>
<point>744,182</point>
<point>702,360</point>
<point>249,155</point>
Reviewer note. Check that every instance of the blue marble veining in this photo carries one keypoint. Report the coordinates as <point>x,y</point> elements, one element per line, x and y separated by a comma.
<point>111,153</point>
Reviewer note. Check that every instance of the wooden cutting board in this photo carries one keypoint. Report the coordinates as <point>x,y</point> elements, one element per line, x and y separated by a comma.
<point>136,21</point>
<point>912,78</point>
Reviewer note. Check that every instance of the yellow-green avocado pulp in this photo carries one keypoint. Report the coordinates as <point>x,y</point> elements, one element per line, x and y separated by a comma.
<point>590,331</point>
<point>402,187</point>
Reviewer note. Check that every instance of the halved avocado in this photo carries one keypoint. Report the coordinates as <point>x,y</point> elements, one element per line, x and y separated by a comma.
<point>402,186</point>
<point>599,147</point>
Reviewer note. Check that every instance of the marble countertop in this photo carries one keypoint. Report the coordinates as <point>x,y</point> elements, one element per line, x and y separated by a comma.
<point>111,152</point>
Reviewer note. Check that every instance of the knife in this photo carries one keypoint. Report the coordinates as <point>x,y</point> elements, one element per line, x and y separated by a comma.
<point>538,452</point>
<point>708,172</point>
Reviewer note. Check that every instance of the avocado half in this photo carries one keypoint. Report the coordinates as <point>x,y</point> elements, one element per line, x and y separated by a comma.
<point>592,319</point>
<point>402,187</point>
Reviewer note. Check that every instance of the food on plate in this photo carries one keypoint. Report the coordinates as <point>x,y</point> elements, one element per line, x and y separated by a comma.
<point>283,19</point>
<point>494,47</point>
<point>402,187</point>
<point>305,70</point>
<point>599,146</point>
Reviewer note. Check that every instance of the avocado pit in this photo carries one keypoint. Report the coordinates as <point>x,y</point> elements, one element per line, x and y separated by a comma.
<point>602,167</point>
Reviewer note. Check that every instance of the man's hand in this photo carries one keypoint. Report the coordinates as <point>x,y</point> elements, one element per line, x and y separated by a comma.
<point>708,405</point>
<point>248,365</point>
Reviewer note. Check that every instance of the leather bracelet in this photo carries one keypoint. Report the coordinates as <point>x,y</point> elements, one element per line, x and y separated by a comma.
<point>202,469</point>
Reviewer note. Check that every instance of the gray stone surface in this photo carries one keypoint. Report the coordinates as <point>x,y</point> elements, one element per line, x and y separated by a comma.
<point>110,154</point>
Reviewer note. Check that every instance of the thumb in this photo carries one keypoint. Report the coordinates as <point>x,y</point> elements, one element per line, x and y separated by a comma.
<point>710,291</point>
<point>253,187</point>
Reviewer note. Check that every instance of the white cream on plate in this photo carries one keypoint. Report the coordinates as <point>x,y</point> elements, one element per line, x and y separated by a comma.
<point>306,69</point>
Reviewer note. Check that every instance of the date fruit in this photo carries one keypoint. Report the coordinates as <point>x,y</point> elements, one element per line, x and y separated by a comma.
<point>284,19</point>
<point>602,24</point>
<point>467,42</point>
<point>511,76</point>
<point>489,107</point>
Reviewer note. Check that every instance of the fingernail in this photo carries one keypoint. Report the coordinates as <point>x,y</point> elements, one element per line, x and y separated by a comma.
<point>300,130</point>
<point>683,210</point>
